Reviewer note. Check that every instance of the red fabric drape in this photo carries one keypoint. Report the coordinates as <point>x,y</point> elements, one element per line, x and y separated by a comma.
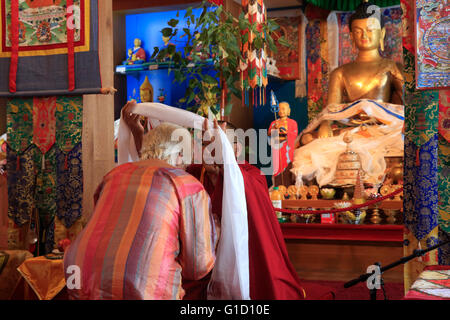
<point>272,275</point>
<point>14,38</point>
<point>70,45</point>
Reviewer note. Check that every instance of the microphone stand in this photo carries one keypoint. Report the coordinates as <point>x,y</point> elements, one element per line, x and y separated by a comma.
<point>365,276</point>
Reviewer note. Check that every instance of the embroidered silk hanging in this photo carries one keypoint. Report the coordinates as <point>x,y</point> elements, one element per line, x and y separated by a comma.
<point>317,66</point>
<point>44,163</point>
<point>444,184</point>
<point>69,169</point>
<point>421,178</point>
<point>50,47</point>
<point>44,123</point>
<point>19,124</point>
<point>69,183</point>
<point>21,185</point>
<point>444,114</point>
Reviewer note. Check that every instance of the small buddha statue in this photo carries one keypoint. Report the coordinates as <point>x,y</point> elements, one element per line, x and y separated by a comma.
<point>283,147</point>
<point>146,91</point>
<point>146,94</point>
<point>136,55</point>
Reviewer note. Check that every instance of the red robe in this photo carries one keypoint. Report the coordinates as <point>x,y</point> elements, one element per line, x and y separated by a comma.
<point>282,156</point>
<point>272,275</point>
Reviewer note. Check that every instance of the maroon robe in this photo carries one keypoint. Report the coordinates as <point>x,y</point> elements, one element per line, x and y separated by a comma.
<point>272,275</point>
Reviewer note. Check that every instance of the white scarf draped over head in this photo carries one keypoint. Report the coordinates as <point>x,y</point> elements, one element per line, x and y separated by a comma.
<point>230,276</point>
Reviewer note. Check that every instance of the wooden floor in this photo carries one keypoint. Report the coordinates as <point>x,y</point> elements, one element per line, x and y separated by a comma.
<point>343,260</point>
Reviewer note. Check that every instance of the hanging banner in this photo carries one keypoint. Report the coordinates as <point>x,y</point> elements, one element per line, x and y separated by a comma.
<point>50,47</point>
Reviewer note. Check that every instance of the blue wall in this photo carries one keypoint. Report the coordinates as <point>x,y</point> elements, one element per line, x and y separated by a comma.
<point>147,27</point>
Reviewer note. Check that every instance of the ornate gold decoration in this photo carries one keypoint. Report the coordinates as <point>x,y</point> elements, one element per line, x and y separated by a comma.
<point>313,191</point>
<point>375,219</point>
<point>283,191</point>
<point>348,165</point>
<point>303,191</point>
<point>292,192</point>
<point>385,189</point>
<point>391,219</point>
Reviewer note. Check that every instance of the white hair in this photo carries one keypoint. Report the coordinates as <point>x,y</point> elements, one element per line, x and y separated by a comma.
<point>159,143</point>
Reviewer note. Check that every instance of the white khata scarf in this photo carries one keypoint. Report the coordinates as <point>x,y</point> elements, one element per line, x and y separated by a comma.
<point>230,276</point>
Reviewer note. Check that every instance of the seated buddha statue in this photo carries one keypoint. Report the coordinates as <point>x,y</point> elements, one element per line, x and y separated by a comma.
<point>365,100</point>
<point>369,76</point>
<point>136,55</point>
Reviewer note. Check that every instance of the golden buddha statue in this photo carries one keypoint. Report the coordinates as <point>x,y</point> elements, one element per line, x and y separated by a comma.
<point>364,99</point>
<point>348,165</point>
<point>370,76</point>
<point>146,91</point>
<point>146,95</point>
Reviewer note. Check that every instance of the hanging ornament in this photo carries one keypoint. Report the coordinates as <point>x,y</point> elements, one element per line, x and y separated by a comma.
<point>253,67</point>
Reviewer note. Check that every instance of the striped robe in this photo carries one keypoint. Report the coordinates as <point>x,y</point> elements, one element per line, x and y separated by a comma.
<point>150,229</point>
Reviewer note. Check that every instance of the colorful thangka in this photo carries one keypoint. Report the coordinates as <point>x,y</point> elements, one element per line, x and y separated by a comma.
<point>50,47</point>
<point>317,66</point>
<point>432,52</point>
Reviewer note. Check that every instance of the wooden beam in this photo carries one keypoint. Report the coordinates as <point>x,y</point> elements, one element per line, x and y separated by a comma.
<point>98,116</point>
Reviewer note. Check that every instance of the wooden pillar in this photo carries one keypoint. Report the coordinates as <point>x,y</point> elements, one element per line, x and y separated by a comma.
<point>120,81</point>
<point>98,116</point>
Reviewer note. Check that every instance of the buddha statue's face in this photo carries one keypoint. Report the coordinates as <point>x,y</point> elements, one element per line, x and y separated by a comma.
<point>284,111</point>
<point>146,95</point>
<point>367,33</point>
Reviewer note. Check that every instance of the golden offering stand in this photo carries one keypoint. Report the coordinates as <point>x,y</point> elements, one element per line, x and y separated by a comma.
<point>313,192</point>
<point>391,213</point>
<point>348,165</point>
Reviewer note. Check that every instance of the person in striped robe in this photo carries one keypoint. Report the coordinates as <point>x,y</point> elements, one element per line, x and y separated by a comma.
<point>151,229</point>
